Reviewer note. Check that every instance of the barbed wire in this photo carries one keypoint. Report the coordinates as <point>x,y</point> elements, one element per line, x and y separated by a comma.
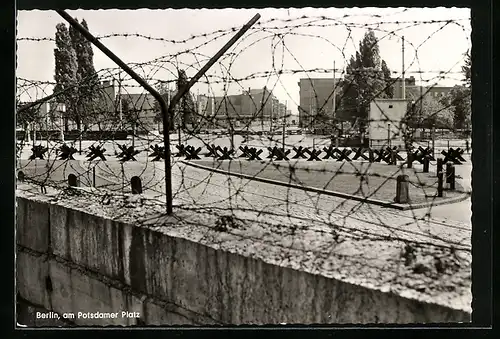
<point>242,159</point>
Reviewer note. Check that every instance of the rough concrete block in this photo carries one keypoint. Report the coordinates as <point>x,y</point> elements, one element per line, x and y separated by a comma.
<point>160,315</point>
<point>199,280</point>
<point>59,232</point>
<point>186,290</point>
<point>32,270</point>
<point>32,225</point>
<point>62,294</point>
<point>88,241</point>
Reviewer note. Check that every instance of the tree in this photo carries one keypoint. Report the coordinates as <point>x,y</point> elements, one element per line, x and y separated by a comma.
<point>88,80</point>
<point>389,85</point>
<point>466,69</point>
<point>130,114</point>
<point>366,77</point>
<point>163,89</point>
<point>26,116</point>
<point>460,102</point>
<point>428,113</point>
<point>186,106</point>
<point>66,67</point>
<point>459,98</point>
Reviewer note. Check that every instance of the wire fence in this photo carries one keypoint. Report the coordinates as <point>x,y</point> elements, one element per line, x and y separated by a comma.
<point>247,161</point>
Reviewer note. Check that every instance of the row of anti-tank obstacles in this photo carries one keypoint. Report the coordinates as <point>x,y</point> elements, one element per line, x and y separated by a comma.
<point>402,182</point>
<point>388,155</point>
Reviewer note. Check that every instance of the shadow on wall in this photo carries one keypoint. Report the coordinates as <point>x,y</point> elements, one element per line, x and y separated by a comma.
<point>69,261</point>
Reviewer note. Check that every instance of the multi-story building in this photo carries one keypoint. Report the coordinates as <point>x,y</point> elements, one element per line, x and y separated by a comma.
<point>315,95</point>
<point>125,108</point>
<point>414,91</point>
<point>437,92</point>
<point>250,106</point>
<point>397,84</point>
<point>282,111</point>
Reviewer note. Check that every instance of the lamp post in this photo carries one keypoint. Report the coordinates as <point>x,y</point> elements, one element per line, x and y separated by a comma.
<point>389,134</point>
<point>433,138</point>
<point>61,107</point>
<point>34,133</point>
<point>179,133</point>
<point>284,132</point>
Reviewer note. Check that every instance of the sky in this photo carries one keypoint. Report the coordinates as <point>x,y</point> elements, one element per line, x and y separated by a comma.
<point>282,47</point>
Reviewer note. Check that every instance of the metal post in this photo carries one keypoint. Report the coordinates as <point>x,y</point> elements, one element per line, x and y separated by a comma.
<point>120,108</point>
<point>47,127</point>
<point>123,177</point>
<point>166,111</point>
<point>34,134</point>
<point>284,131</point>
<point>154,93</point>
<point>80,142</point>
<point>433,139</point>
<point>133,134</point>
<point>334,89</point>
<point>426,164</point>
<point>389,135</point>
<point>62,110</point>
<point>179,134</point>
<point>403,89</point>
<point>271,120</point>
<point>213,60</point>
<point>452,178</point>
<point>440,184</point>
<point>439,165</point>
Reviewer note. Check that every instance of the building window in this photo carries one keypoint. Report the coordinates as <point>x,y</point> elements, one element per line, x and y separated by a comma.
<point>390,106</point>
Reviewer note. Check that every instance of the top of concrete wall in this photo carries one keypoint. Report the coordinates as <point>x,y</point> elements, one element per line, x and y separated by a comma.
<point>313,247</point>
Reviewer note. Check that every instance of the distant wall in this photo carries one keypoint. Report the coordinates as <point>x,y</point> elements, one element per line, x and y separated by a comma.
<point>69,261</point>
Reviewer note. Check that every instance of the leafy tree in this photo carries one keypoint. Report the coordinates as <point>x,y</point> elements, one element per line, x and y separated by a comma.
<point>186,106</point>
<point>88,80</point>
<point>66,67</point>
<point>466,69</point>
<point>389,85</point>
<point>25,116</point>
<point>369,52</point>
<point>129,113</point>
<point>366,78</point>
<point>163,89</point>
<point>459,98</point>
<point>460,102</point>
<point>428,112</point>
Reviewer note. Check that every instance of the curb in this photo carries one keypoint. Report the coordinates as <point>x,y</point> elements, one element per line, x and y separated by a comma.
<point>400,207</point>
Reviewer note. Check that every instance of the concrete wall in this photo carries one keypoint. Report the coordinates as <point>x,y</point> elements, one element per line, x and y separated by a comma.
<point>70,261</point>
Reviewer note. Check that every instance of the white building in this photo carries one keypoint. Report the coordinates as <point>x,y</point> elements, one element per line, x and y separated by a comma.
<point>385,122</point>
